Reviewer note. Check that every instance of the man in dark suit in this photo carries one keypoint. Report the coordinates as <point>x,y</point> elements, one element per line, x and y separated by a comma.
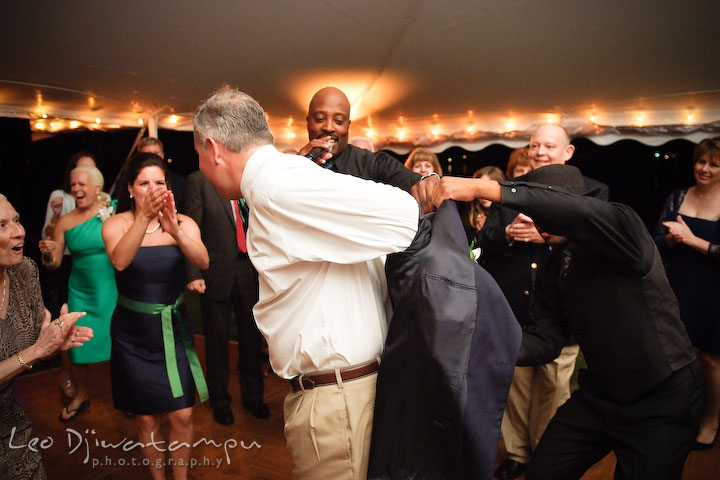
<point>229,285</point>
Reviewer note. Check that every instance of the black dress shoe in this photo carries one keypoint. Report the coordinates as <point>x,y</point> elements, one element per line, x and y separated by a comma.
<point>258,410</point>
<point>510,469</point>
<point>223,416</point>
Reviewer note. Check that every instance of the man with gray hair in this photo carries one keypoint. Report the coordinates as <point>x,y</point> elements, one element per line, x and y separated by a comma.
<point>316,239</point>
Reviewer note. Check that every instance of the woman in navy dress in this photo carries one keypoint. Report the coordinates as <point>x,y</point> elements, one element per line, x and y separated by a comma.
<point>154,367</point>
<point>688,236</point>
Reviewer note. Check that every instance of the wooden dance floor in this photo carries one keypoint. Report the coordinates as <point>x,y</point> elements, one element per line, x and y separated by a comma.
<point>98,444</point>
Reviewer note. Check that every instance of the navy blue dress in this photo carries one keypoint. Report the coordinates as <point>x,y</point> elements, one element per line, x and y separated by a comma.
<point>140,382</point>
<point>694,277</point>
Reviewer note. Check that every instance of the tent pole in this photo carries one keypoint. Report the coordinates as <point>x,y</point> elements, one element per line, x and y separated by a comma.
<point>152,126</point>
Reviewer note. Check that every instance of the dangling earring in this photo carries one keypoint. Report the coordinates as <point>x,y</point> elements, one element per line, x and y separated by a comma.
<point>131,195</point>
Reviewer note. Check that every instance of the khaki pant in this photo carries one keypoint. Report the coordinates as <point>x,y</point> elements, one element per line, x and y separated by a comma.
<point>535,395</point>
<point>328,429</point>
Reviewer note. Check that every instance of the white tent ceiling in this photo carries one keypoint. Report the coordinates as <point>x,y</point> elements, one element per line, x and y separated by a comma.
<point>416,71</point>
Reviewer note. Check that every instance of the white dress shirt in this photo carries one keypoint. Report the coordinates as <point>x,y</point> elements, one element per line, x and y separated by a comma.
<point>318,241</point>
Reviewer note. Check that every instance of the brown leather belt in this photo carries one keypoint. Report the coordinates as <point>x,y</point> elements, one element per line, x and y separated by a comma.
<point>327,377</point>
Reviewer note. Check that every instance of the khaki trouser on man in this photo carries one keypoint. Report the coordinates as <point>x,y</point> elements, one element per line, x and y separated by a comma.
<point>535,395</point>
<point>328,429</point>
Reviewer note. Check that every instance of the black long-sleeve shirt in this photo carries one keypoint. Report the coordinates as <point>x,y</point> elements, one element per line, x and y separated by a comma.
<point>378,166</point>
<point>607,287</point>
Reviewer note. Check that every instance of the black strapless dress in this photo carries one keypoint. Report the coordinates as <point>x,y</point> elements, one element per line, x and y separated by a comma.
<point>139,376</point>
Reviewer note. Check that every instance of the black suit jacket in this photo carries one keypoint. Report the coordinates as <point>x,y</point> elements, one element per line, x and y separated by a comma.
<point>514,266</point>
<point>448,361</point>
<point>378,166</point>
<point>214,216</point>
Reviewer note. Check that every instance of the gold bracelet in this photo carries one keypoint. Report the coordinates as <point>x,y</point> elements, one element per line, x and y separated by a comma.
<point>22,362</point>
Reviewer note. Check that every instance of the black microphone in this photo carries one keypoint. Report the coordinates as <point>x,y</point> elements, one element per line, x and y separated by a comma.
<point>316,152</point>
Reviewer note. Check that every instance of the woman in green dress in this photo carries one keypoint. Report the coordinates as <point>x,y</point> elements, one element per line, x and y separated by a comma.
<point>91,287</point>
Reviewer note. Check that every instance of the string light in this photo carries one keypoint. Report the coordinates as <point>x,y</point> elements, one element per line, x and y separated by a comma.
<point>690,115</point>
<point>435,130</point>
<point>416,130</point>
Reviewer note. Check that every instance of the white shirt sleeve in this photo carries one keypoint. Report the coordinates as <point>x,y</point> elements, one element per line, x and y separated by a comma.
<point>313,214</point>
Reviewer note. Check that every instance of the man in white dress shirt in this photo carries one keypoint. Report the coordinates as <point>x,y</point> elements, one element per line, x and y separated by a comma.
<point>317,240</point>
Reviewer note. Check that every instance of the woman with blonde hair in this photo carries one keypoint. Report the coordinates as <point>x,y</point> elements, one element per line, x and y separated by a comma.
<point>424,162</point>
<point>91,287</point>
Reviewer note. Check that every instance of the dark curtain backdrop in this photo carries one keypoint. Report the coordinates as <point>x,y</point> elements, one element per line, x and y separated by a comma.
<point>637,174</point>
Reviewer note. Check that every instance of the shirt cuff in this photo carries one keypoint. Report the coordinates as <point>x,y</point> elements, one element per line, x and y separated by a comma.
<point>513,194</point>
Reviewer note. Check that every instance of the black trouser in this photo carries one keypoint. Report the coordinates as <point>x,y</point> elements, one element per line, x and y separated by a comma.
<point>651,437</point>
<point>216,323</point>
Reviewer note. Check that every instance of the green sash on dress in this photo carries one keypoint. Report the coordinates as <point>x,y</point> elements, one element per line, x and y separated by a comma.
<point>166,313</point>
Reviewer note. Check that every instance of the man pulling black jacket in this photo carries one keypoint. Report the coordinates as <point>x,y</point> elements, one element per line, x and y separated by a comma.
<point>604,282</point>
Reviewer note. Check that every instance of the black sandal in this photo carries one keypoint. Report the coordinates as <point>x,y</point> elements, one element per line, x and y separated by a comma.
<point>72,414</point>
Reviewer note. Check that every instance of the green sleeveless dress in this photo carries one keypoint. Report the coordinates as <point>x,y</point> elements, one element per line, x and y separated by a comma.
<point>91,289</point>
